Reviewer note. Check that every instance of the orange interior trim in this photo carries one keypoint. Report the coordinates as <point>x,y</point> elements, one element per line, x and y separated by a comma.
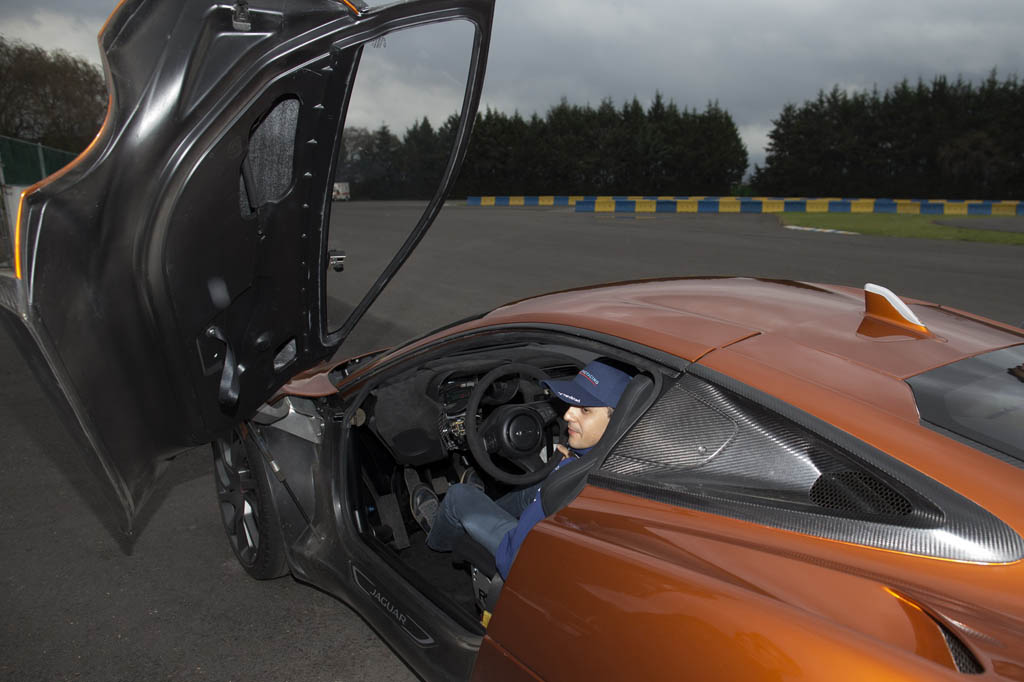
<point>17,238</point>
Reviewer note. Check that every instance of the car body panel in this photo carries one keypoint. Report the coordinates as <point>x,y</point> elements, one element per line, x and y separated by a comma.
<point>172,278</point>
<point>805,314</point>
<point>615,313</point>
<point>974,474</point>
<point>838,374</point>
<point>690,317</point>
<point>634,588</point>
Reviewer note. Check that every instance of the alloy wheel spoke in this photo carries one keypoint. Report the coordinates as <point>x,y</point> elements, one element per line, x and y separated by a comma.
<point>238,497</point>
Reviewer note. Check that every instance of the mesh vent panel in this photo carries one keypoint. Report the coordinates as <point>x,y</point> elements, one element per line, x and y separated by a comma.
<point>962,657</point>
<point>856,491</point>
<point>271,155</point>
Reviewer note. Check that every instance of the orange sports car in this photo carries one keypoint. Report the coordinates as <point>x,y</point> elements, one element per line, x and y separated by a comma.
<point>799,481</point>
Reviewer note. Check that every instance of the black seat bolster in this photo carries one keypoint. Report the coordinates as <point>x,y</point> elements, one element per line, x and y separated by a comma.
<point>562,486</point>
<point>469,550</point>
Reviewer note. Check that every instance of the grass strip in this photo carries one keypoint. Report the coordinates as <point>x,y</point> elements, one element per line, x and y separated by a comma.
<point>899,225</point>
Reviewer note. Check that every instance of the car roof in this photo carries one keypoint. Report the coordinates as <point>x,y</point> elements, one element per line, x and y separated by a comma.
<point>756,330</point>
<point>692,316</point>
<point>812,332</point>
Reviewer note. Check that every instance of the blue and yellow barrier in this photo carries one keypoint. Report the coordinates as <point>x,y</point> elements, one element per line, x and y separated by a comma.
<point>677,204</point>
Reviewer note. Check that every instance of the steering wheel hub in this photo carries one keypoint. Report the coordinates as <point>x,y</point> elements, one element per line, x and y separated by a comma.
<point>523,433</point>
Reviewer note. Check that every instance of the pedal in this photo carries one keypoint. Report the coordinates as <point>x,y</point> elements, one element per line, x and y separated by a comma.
<point>440,484</point>
<point>391,515</point>
<point>383,533</point>
<point>412,478</point>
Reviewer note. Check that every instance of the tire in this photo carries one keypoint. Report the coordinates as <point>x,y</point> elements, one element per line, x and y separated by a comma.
<point>247,509</point>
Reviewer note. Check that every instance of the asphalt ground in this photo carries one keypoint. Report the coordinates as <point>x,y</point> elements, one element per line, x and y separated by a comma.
<point>79,604</point>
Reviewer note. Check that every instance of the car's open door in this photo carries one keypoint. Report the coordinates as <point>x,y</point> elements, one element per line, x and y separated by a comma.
<point>173,277</point>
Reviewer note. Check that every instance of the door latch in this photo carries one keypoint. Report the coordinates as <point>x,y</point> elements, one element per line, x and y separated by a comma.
<point>230,376</point>
<point>240,18</point>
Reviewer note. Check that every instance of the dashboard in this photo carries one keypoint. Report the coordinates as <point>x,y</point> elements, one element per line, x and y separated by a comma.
<point>452,391</point>
<point>421,416</point>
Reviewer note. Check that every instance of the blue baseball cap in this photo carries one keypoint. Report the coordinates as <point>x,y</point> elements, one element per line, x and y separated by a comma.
<point>596,385</point>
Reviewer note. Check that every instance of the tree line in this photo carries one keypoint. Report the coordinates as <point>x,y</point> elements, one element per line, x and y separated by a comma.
<point>49,97</point>
<point>938,140</point>
<point>608,150</point>
<point>945,138</point>
<point>571,150</point>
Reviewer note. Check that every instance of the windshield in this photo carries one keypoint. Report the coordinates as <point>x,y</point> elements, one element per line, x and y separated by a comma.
<point>980,398</point>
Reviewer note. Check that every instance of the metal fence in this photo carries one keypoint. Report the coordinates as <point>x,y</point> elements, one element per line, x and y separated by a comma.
<point>22,164</point>
<point>26,163</point>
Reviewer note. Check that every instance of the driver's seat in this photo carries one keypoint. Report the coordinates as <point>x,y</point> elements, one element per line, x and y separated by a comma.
<point>487,582</point>
<point>563,485</point>
<point>557,490</point>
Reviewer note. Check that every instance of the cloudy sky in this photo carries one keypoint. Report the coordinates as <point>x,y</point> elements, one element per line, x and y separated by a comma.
<point>752,56</point>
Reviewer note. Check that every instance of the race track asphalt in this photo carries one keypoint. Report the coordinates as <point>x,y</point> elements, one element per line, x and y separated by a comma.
<point>79,604</point>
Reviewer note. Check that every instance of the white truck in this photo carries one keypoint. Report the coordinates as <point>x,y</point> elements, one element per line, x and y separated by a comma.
<point>340,192</point>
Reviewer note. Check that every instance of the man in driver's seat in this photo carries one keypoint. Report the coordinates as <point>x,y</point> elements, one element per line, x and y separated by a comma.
<point>501,525</point>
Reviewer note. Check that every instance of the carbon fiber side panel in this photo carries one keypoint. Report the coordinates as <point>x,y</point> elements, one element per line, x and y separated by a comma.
<point>705,447</point>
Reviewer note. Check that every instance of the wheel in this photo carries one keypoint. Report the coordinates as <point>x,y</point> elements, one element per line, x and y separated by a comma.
<point>249,516</point>
<point>513,433</point>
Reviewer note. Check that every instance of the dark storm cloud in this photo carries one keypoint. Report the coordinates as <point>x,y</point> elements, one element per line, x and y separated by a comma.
<point>86,10</point>
<point>751,56</point>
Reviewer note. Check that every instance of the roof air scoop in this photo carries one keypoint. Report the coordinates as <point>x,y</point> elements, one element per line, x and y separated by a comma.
<point>882,305</point>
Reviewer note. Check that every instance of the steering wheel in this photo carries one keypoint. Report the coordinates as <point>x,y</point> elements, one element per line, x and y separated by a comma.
<point>515,433</point>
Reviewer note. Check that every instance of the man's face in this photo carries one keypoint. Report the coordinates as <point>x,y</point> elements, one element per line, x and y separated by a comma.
<point>586,425</point>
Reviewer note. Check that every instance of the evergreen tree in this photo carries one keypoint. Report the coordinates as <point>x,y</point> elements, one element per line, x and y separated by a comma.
<point>939,140</point>
<point>49,97</point>
<point>572,150</point>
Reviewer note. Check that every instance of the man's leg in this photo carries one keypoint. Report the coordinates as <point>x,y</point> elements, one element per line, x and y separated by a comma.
<point>516,502</point>
<point>467,509</point>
